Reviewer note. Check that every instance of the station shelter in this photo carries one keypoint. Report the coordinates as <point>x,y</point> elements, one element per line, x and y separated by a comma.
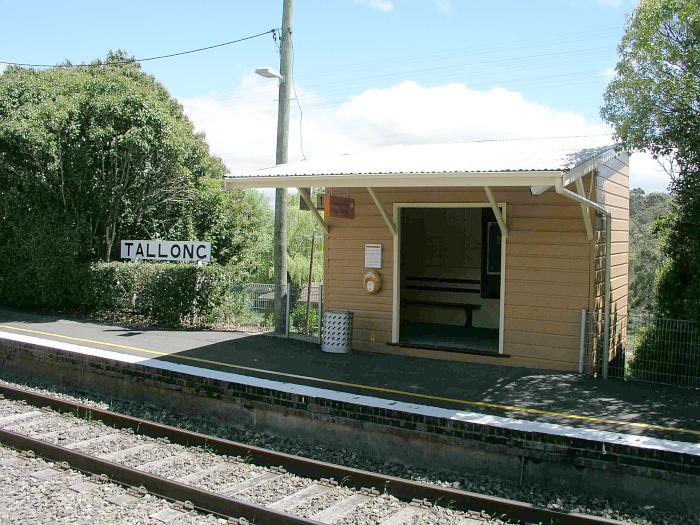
<point>487,252</point>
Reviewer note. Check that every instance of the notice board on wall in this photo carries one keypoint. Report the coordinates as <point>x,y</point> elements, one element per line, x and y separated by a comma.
<point>373,255</point>
<point>339,207</point>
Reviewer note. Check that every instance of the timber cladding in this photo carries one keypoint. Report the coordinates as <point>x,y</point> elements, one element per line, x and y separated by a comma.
<point>611,189</point>
<point>552,271</point>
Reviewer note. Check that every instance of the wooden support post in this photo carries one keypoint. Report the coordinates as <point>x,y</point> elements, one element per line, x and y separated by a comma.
<point>311,271</point>
<point>496,212</point>
<point>313,210</point>
<point>382,211</point>
<point>584,210</point>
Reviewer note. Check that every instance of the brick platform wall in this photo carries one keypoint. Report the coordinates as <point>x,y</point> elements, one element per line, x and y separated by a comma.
<point>664,477</point>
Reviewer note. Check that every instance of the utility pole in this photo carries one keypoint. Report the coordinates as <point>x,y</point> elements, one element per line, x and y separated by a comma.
<point>280,236</point>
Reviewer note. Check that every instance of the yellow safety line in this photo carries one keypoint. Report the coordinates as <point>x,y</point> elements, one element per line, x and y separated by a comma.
<point>483,404</point>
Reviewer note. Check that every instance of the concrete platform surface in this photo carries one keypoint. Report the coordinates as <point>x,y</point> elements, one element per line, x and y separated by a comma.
<point>537,395</point>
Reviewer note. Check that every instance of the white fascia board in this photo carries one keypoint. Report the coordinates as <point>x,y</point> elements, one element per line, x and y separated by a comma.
<point>400,180</point>
<point>539,190</point>
<point>578,172</point>
<point>581,170</point>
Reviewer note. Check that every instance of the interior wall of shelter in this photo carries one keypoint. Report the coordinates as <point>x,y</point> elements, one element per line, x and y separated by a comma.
<point>443,243</point>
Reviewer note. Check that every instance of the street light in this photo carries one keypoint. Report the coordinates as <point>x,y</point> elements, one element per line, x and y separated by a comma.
<point>269,72</point>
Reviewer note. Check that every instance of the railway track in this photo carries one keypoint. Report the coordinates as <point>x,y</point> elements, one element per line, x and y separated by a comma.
<point>234,480</point>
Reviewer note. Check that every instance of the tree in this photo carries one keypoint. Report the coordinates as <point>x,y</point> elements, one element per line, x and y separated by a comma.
<point>96,153</point>
<point>301,226</point>
<point>646,257</point>
<point>106,146</point>
<point>654,105</point>
<point>237,223</point>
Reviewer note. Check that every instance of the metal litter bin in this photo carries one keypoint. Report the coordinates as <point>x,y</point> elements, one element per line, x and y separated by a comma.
<point>337,331</point>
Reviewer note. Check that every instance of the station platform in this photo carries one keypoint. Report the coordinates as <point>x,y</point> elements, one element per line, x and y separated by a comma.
<point>640,442</point>
<point>550,397</point>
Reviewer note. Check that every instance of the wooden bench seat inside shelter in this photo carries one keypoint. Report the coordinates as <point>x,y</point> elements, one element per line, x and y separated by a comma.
<point>447,286</point>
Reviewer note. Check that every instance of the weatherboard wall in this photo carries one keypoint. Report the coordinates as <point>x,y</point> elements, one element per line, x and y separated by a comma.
<point>612,191</point>
<point>548,278</point>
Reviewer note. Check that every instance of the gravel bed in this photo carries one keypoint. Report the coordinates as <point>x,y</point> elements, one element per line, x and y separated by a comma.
<point>373,511</point>
<point>153,454</point>
<point>8,408</point>
<point>34,425</point>
<point>541,495</point>
<point>183,466</point>
<point>322,502</point>
<point>66,436</point>
<point>276,489</point>
<point>232,474</point>
<point>25,499</point>
<point>64,424</point>
<point>119,441</point>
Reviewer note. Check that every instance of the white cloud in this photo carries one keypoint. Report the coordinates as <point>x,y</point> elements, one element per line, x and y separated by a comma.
<point>380,5</point>
<point>616,3</point>
<point>444,5</point>
<point>388,5</point>
<point>608,72</point>
<point>647,173</point>
<point>241,126</point>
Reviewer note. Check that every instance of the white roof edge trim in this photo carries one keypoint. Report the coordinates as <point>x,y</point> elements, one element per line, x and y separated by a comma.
<point>582,169</point>
<point>400,180</point>
<point>538,190</point>
<point>578,172</point>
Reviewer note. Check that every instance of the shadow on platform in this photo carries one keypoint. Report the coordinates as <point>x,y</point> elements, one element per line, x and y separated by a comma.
<point>447,384</point>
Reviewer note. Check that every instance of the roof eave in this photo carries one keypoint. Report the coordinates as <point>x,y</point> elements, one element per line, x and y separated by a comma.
<point>586,167</point>
<point>579,171</point>
<point>400,180</point>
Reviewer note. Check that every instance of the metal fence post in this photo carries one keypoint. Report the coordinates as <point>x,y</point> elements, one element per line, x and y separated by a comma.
<point>582,342</point>
<point>320,313</point>
<point>288,317</point>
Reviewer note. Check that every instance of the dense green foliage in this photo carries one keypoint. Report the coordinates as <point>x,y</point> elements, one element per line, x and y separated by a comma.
<point>654,104</point>
<point>168,294</point>
<point>92,155</point>
<point>646,257</point>
<point>298,318</point>
<point>300,227</point>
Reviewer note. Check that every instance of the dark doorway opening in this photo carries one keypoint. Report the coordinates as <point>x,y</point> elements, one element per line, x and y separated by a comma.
<point>450,279</point>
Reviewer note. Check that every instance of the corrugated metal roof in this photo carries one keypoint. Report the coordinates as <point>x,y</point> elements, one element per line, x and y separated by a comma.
<point>531,155</point>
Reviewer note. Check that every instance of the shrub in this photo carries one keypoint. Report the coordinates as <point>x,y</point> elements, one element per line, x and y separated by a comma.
<point>168,294</point>
<point>42,264</point>
<point>298,318</point>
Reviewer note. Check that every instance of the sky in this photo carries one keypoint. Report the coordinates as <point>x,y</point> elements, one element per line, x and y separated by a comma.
<point>367,72</point>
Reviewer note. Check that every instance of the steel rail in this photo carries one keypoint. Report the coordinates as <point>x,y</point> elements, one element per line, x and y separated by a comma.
<point>400,488</point>
<point>202,500</point>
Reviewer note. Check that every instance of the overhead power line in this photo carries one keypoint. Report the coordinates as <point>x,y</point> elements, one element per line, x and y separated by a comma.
<point>146,59</point>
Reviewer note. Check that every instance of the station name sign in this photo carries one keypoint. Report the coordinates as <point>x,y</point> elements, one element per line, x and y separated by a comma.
<point>188,251</point>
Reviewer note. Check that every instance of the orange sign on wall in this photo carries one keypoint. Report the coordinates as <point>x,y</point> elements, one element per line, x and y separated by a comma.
<point>339,207</point>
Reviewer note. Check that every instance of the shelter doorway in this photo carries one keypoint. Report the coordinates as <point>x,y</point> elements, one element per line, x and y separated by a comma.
<point>450,265</point>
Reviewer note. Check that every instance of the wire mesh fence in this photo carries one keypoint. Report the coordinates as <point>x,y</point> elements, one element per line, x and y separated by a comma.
<point>252,308</point>
<point>644,348</point>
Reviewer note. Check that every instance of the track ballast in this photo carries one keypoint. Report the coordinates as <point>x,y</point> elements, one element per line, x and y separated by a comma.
<point>235,480</point>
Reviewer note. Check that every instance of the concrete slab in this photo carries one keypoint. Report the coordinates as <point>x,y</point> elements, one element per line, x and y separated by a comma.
<point>528,394</point>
